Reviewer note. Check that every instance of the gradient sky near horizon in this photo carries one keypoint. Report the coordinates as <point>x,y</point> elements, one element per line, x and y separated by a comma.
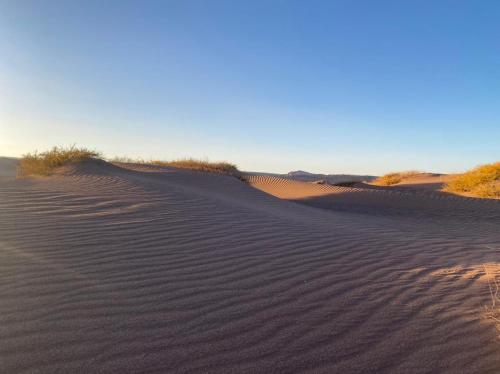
<point>325,86</point>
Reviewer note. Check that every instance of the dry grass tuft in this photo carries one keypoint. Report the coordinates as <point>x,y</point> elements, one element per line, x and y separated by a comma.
<point>394,178</point>
<point>493,311</point>
<point>482,181</point>
<point>194,164</point>
<point>44,163</point>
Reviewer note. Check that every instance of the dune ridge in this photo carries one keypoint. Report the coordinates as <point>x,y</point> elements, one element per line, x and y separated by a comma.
<point>379,200</point>
<point>128,269</point>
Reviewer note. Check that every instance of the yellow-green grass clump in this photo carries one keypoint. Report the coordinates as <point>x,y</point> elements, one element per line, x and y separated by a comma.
<point>44,163</point>
<point>482,181</point>
<point>394,178</point>
<point>202,165</point>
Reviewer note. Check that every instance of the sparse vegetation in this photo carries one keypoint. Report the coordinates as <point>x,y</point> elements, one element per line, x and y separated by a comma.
<point>202,165</point>
<point>394,178</point>
<point>493,310</point>
<point>127,160</point>
<point>44,163</point>
<point>482,181</point>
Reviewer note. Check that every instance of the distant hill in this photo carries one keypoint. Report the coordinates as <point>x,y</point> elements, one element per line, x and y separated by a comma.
<point>329,178</point>
<point>299,173</point>
<point>306,176</point>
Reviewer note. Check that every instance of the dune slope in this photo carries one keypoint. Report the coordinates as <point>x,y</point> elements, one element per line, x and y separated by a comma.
<point>146,269</point>
<point>415,200</point>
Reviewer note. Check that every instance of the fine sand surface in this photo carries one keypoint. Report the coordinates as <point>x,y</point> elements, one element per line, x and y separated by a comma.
<point>425,181</point>
<point>416,198</point>
<point>135,269</point>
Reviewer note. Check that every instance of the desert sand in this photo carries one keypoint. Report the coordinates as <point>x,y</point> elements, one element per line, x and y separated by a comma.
<point>133,268</point>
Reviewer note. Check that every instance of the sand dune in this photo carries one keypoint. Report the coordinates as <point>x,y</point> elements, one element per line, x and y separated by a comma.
<point>8,168</point>
<point>411,199</point>
<point>132,268</point>
<point>426,181</point>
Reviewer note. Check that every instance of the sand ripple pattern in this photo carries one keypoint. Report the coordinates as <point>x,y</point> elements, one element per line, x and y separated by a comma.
<point>109,270</point>
<point>380,200</point>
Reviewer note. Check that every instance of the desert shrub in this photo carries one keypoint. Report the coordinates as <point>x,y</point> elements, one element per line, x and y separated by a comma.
<point>482,181</point>
<point>394,178</point>
<point>44,163</point>
<point>194,164</point>
<point>493,310</point>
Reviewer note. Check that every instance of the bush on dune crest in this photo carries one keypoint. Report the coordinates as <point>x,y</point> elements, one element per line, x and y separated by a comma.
<point>394,178</point>
<point>482,181</point>
<point>44,163</point>
<point>194,164</point>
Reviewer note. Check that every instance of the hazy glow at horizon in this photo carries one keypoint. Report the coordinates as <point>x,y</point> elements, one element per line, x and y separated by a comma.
<point>332,87</point>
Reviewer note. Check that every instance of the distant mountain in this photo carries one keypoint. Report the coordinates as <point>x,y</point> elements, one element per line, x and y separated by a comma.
<point>299,173</point>
<point>305,176</point>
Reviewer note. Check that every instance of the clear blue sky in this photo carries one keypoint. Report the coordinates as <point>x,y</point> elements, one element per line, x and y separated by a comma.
<point>326,86</point>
